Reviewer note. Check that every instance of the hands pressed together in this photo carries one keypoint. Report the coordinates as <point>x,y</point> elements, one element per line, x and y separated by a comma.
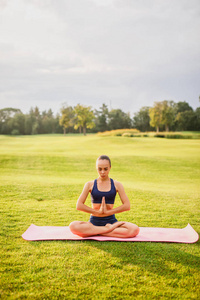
<point>103,209</point>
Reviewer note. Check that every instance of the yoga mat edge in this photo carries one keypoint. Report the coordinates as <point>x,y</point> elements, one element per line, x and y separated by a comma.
<point>147,234</point>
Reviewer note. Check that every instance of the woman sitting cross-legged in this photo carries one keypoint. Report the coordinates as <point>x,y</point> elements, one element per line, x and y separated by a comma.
<point>102,220</point>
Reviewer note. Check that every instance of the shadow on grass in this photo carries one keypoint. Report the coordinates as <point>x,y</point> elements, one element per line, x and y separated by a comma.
<point>165,259</point>
<point>169,260</point>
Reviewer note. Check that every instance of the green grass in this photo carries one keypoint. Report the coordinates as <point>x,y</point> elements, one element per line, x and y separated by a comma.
<point>41,178</point>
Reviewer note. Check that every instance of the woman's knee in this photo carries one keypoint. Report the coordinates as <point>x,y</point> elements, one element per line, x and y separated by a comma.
<point>74,226</point>
<point>136,230</point>
<point>133,230</point>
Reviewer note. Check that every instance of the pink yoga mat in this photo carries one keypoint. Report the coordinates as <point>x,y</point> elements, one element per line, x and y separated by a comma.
<point>147,234</point>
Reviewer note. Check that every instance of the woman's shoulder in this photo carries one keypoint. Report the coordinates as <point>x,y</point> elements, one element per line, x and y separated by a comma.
<point>118,185</point>
<point>89,185</point>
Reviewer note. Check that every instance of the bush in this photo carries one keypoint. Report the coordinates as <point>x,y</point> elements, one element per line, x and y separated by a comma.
<point>178,136</point>
<point>174,136</point>
<point>15,132</point>
<point>127,134</point>
<point>159,135</point>
<point>118,132</point>
<point>136,133</point>
<point>188,136</point>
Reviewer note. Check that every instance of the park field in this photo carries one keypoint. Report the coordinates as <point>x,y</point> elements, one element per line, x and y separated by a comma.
<point>41,178</point>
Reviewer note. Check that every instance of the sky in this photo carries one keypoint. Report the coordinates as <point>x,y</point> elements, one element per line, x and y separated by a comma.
<point>124,53</point>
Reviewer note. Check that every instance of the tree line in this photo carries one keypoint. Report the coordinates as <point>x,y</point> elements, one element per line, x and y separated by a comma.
<point>168,115</point>
<point>164,115</point>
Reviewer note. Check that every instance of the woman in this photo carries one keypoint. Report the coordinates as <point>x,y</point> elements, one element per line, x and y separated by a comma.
<point>102,220</point>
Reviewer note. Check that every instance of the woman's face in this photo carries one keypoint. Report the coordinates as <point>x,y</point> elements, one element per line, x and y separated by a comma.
<point>103,168</point>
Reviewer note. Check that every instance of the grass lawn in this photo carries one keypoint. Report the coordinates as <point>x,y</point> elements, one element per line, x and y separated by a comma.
<point>41,178</point>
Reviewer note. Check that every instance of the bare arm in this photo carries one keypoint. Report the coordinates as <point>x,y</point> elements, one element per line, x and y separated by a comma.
<point>124,198</point>
<point>81,202</point>
<point>103,211</point>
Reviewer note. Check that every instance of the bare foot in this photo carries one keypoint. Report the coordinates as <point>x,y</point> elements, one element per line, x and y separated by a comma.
<point>111,227</point>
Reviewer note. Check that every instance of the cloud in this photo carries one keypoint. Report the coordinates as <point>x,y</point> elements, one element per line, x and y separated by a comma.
<point>127,53</point>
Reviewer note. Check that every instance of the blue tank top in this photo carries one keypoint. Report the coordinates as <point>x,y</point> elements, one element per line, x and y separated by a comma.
<point>96,195</point>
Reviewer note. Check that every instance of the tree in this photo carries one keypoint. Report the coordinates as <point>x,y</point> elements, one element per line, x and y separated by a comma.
<point>33,121</point>
<point>197,121</point>
<point>168,113</point>
<point>6,115</point>
<point>141,119</point>
<point>186,120</point>
<point>119,119</point>
<point>17,123</point>
<point>67,117</point>
<point>101,118</point>
<point>84,117</point>
<point>179,108</point>
<point>155,114</point>
<point>182,106</point>
<point>48,122</point>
